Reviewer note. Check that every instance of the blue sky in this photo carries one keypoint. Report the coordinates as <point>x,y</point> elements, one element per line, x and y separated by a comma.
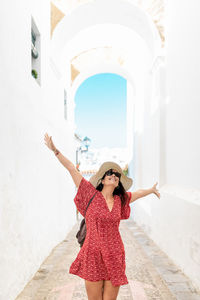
<point>100,111</point>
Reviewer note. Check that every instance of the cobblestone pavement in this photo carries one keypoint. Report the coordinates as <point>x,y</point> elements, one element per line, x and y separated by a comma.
<point>150,273</point>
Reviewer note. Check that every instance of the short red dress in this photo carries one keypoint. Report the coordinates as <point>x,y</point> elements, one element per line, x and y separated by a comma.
<point>102,256</point>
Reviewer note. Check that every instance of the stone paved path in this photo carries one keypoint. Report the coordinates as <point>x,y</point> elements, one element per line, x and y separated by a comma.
<point>150,273</point>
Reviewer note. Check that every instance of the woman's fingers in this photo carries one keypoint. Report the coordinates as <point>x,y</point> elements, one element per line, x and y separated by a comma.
<point>48,140</point>
<point>156,190</point>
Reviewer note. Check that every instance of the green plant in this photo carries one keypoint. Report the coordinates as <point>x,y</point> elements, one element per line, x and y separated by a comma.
<point>125,170</point>
<point>34,73</point>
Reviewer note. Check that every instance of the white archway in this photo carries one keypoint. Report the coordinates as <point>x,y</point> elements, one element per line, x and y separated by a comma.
<point>106,12</point>
<point>106,68</point>
<point>80,24</point>
<point>131,46</point>
<point>131,96</point>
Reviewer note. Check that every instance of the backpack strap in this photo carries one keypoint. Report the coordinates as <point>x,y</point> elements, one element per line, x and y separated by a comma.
<point>89,202</point>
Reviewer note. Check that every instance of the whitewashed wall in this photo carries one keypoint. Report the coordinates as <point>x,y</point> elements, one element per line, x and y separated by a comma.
<point>173,222</point>
<point>36,191</point>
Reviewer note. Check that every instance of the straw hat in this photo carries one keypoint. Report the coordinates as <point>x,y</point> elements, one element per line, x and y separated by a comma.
<point>126,181</point>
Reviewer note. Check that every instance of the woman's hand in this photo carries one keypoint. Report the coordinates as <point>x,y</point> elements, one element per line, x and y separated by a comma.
<point>49,142</point>
<point>155,191</point>
<point>76,175</point>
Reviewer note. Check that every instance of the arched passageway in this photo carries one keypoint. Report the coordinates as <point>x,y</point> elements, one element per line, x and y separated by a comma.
<point>118,36</point>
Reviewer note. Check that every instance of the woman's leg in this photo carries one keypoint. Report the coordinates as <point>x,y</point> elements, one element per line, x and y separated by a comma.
<point>110,292</point>
<point>94,289</point>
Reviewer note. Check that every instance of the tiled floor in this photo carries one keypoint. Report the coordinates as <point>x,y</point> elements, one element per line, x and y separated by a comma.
<point>150,273</point>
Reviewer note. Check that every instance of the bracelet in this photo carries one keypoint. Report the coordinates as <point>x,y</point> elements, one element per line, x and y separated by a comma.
<point>56,152</point>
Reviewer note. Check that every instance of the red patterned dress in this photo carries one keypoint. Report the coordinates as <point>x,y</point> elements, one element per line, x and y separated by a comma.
<point>102,256</point>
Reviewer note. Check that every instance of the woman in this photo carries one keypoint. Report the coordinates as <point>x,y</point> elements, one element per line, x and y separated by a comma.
<point>101,260</point>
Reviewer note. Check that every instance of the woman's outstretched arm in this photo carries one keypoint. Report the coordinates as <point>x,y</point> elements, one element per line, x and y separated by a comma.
<point>144,192</point>
<point>75,174</point>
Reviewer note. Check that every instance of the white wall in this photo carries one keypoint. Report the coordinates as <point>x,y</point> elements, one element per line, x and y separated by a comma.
<point>173,220</point>
<point>183,124</point>
<point>36,191</point>
<point>183,73</point>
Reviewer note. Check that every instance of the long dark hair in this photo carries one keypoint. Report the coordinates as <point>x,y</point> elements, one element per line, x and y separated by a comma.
<point>119,190</point>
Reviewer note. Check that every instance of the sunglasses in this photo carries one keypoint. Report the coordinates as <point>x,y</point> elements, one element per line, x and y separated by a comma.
<point>110,172</point>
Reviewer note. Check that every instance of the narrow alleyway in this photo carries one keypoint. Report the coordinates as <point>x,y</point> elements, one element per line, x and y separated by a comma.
<point>150,273</point>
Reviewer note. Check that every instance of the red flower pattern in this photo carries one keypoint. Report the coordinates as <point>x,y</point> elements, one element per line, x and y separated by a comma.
<point>102,256</point>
